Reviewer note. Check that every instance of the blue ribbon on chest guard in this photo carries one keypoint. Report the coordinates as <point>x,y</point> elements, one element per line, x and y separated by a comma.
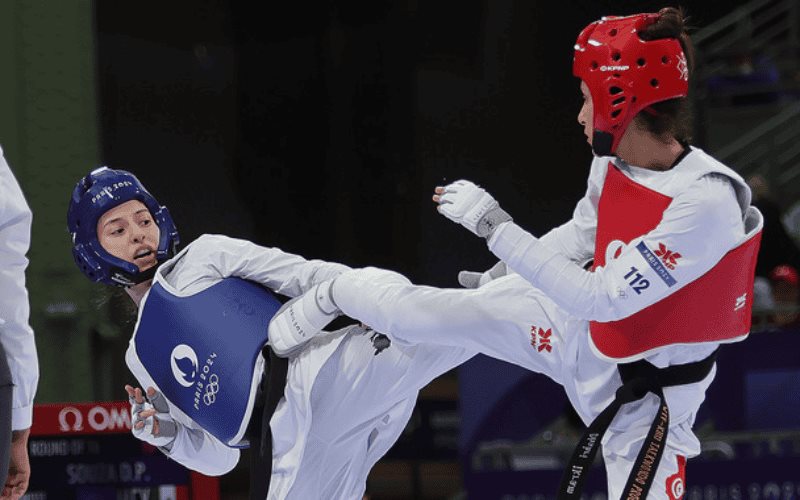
<point>202,351</point>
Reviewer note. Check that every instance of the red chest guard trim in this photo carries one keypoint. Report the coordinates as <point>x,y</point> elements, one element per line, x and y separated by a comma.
<point>715,307</point>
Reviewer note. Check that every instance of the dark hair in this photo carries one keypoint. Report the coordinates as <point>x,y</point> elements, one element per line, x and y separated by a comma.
<point>673,116</point>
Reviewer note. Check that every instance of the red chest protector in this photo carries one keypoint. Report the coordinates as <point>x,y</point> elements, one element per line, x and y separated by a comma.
<point>715,307</point>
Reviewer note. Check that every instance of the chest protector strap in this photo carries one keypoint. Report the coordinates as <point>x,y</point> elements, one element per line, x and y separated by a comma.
<point>716,307</point>
<point>203,351</point>
<point>638,379</point>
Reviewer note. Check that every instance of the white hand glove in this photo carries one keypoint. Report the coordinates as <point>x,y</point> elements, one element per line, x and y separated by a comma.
<point>472,279</point>
<point>472,207</point>
<point>301,319</point>
<point>157,425</point>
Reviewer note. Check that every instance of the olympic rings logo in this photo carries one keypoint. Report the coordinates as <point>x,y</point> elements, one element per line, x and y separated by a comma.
<point>212,388</point>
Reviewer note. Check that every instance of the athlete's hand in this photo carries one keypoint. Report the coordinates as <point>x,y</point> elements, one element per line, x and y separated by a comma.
<point>150,417</point>
<point>300,319</point>
<point>472,279</point>
<point>471,206</point>
<point>19,467</point>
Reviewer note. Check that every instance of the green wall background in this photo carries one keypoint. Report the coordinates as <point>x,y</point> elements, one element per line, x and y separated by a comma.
<point>49,131</point>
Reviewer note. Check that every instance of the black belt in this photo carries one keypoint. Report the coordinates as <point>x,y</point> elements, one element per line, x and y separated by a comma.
<point>638,379</point>
<point>258,432</point>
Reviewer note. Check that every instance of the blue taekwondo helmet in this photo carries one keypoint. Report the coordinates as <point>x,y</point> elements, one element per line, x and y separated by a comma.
<point>94,195</point>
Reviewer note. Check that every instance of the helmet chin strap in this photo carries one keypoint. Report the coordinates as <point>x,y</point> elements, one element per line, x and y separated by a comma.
<point>145,275</point>
<point>127,280</point>
<point>602,143</point>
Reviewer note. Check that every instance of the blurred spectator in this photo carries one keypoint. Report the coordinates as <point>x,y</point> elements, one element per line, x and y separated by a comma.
<point>791,222</point>
<point>747,79</point>
<point>786,295</point>
<point>762,295</point>
<point>763,304</point>
<point>776,246</point>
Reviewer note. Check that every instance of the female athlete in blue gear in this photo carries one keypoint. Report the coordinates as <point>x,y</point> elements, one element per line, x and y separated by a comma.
<point>319,421</point>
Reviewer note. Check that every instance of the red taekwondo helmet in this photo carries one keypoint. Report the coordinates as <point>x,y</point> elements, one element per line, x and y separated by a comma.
<point>626,74</point>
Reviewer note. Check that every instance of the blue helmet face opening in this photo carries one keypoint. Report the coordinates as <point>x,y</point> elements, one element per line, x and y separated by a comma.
<point>97,193</point>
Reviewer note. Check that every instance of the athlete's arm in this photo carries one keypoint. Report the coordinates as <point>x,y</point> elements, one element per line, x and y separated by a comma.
<point>197,450</point>
<point>282,272</point>
<point>698,228</point>
<point>573,239</point>
<point>192,447</point>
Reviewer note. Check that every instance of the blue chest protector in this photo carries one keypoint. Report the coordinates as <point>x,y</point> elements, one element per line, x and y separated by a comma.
<point>202,351</point>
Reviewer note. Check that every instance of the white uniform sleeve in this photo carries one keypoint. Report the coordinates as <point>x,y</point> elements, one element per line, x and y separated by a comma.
<point>193,447</point>
<point>575,239</point>
<point>15,331</point>
<point>198,450</point>
<point>698,228</point>
<point>282,272</point>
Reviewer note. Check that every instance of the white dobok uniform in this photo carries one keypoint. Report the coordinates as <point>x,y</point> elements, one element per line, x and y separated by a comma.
<point>539,318</point>
<point>344,405</point>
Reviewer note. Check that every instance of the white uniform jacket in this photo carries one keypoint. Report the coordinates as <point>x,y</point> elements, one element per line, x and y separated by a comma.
<point>15,331</point>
